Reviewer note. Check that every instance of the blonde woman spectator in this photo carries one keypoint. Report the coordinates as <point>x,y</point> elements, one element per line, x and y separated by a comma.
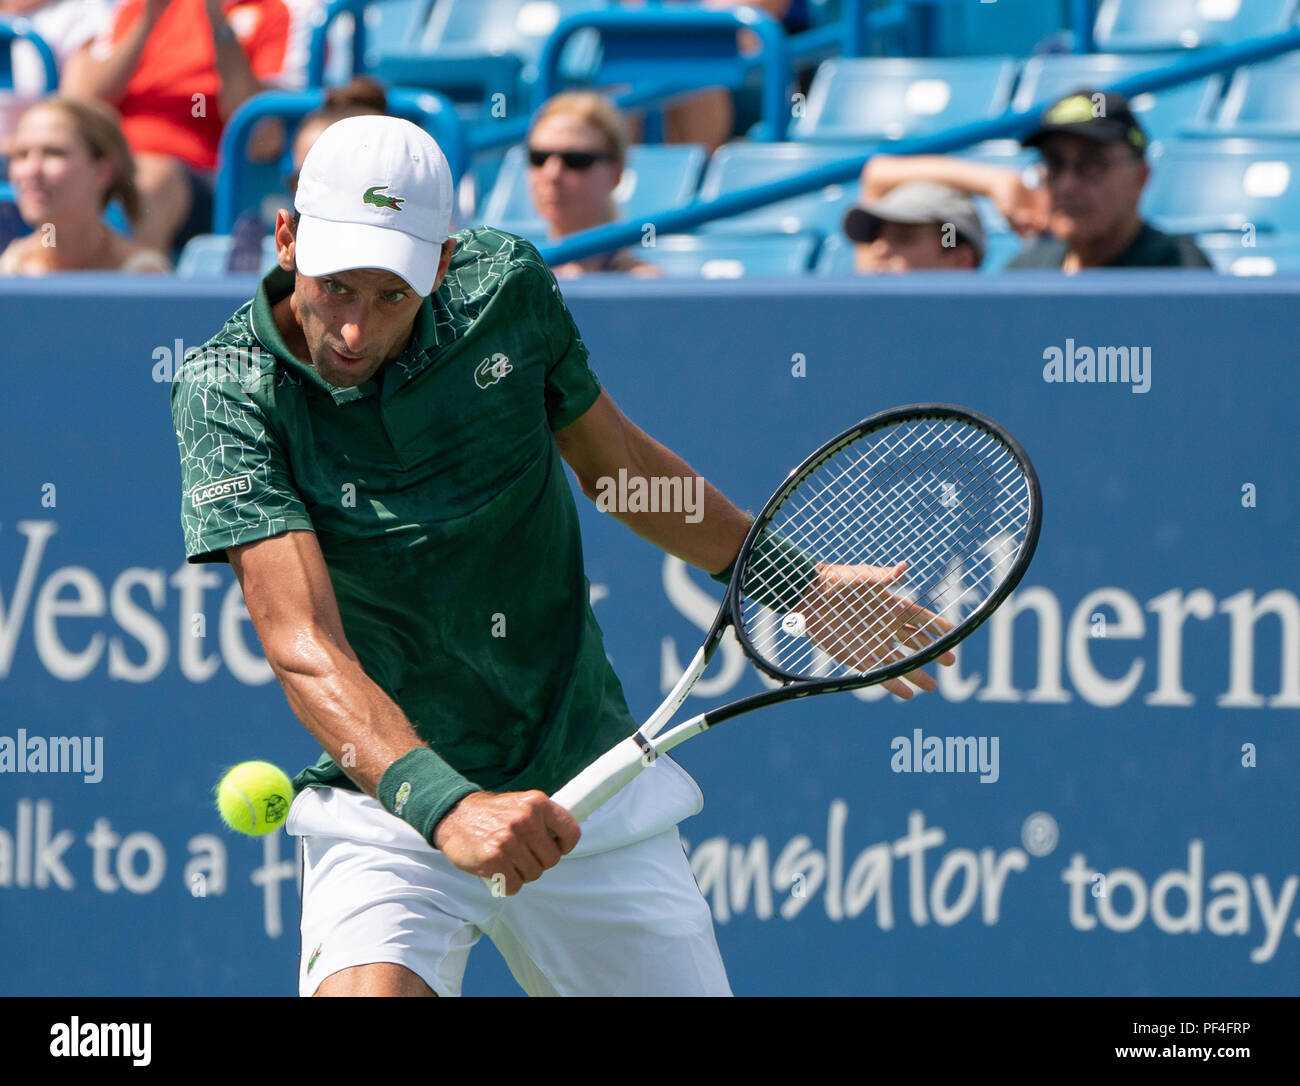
<point>577,148</point>
<point>69,161</point>
<point>176,70</point>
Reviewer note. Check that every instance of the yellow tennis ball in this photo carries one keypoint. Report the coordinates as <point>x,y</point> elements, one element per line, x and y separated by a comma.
<point>254,797</point>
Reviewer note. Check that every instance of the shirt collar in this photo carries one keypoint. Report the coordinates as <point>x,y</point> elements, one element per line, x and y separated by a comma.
<point>426,338</point>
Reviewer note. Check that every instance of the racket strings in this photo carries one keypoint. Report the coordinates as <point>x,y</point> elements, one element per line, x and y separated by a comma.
<point>874,502</point>
<point>812,532</point>
<point>874,636</point>
<point>879,641</point>
<point>895,621</point>
<point>875,632</point>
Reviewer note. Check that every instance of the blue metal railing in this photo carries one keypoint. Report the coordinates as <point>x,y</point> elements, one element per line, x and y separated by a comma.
<point>1010,125</point>
<point>850,36</point>
<point>12,30</point>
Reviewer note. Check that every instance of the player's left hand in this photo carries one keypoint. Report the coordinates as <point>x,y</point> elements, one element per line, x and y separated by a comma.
<point>850,613</point>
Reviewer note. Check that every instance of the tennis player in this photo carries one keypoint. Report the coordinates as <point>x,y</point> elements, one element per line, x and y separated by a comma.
<point>378,456</point>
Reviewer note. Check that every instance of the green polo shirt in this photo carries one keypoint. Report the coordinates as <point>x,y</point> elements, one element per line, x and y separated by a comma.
<point>441,505</point>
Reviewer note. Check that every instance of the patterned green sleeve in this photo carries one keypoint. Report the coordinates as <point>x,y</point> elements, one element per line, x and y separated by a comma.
<point>235,480</point>
<point>571,387</point>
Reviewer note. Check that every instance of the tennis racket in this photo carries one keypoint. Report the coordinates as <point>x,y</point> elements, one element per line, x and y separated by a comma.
<point>818,599</point>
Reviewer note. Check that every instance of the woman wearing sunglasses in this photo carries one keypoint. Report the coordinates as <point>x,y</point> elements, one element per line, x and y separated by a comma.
<point>576,151</point>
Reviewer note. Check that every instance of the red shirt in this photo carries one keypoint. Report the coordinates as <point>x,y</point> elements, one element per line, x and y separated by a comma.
<point>170,104</point>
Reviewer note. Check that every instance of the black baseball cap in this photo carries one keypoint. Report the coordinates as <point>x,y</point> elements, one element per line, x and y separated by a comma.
<point>1094,115</point>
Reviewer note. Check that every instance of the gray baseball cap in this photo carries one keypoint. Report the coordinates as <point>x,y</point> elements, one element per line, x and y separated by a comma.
<point>915,202</point>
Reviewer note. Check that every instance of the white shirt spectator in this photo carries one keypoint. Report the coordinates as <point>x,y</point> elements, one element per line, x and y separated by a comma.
<point>65,25</point>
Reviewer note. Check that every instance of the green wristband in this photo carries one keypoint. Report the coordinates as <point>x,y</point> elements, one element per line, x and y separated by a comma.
<point>795,571</point>
<point>724,578</point>
<point>419,788</point>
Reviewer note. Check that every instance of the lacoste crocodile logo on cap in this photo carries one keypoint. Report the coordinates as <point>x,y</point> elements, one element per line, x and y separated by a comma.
<point>376,198</point>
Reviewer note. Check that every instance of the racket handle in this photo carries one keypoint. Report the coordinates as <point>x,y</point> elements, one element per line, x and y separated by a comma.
<point>604,778</point>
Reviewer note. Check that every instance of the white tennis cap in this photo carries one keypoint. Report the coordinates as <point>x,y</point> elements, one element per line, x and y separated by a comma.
<point>374,192</point>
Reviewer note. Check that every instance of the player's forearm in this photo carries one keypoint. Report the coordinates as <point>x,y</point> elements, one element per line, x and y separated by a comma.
<point>366,734</point>
<point>699,526</point>
<point>885,172</point>
<point>355,722</point>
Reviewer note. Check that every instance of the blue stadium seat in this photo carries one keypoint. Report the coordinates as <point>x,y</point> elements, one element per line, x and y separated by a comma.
<point>469,49</point>
<point>889,98</point>
<point>741,165</point>
<point>1198,186</point>
<point>206,256</point>
<point>835,258</point>
<point>1125,26</point>
<point>1163,114</point>
<point>1015,27</point>
<point>656,176</point>
<point>1262,101</point>
<point>734,257</point>
<point>1271,254</point>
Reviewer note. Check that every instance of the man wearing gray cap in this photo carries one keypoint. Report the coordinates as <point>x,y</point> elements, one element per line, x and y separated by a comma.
<point>918,225</point>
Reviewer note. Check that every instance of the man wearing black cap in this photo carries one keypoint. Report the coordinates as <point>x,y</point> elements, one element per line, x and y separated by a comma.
<point>1094,170</point>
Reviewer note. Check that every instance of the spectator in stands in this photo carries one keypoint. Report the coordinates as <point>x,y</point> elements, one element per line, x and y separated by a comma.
<point>915,226</point>
<point>361,97</point>
<point>709,118</point>
<point>1085,214</point>
<point>69,161</point>
<point>1094,168</point>
<point>65,26</point>
<point>577,148</point>
<point>177,70</point>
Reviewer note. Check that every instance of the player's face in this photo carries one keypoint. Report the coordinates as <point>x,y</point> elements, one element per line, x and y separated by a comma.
<point>904,247</point>
<point>571,198</point>
<point>354,321</point>
<point>1093,188</point>
<point>52,169</point>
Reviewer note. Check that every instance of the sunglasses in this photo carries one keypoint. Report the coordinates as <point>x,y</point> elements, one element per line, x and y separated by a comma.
<point>573,160</point>
<point>1087,168</point>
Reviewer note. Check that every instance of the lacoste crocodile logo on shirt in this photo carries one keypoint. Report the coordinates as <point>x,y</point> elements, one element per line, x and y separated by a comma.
<point>491,370</point>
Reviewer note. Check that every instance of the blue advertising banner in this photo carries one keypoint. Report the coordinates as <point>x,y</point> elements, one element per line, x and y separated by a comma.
<point>1126,823</point>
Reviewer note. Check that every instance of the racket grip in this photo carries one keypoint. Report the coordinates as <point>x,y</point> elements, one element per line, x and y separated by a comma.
<point>604,778</point>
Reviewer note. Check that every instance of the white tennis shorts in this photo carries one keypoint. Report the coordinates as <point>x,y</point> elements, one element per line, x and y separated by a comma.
<point>619,915</point>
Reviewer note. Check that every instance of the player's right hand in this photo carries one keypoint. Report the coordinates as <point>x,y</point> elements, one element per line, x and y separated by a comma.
<point>508,838</point>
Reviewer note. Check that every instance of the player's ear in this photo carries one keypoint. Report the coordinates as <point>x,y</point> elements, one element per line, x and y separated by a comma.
<point>284,239</point>
<point>444,261</point>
